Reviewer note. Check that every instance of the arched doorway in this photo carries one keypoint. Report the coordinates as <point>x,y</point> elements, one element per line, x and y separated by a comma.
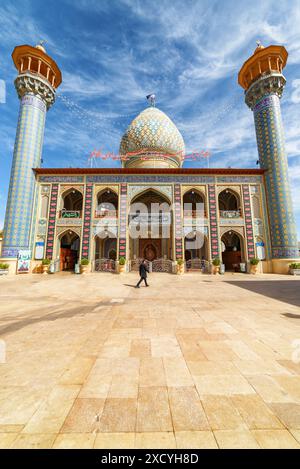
<point>72,202</point>
<point>232,250</point>
<point>107,204</point>
<point>193,204</point>
<point>105,248</point>
<point>150,226</point>
<point>229,204</point>
<point>105,252</point>
<point>195,250</point>
<point>69,250</point>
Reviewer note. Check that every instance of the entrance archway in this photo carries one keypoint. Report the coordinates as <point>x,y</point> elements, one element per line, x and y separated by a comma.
<point>105,248</point>
<point>232,250</point>
<point>150,226</point>
<point>69,250</point>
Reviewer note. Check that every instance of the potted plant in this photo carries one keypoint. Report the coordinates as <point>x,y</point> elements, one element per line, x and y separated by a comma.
<point>216,265</point>
<point>84,265</point>
<point>4,268</point>
<point>122,265</point>
<point>253,265</point>
<point>295,268</point>
<point>45,265</point>
<point>180,266</point>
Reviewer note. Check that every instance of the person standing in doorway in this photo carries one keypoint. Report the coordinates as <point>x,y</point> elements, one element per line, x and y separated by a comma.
<point>143,274</point>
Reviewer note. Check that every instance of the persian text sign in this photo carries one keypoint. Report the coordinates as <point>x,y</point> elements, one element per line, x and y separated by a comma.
<point>24,261</point>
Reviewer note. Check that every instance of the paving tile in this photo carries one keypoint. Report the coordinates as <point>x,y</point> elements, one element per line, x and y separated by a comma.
<point>221,413</point>
<point>186,408</point>
<point>115,441</point>
<point>140,348</point>
<point>119,415</point>
<point>288,414</point>
<point>152,372</point>
<point>156,440</point>
<point>275,439</point>
<point>195,440</point>
<point>255,412</point>
<point>177,373</point>
<point>35,441</point>
<point>74,441</point>
<point>52,413</point>
<point>235,439</point>
<point>153,413</point>
<point>84,416</point>
<point>222,385</point>
<point>7,439</point>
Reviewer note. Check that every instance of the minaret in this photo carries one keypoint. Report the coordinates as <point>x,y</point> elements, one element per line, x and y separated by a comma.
<point>38,77</point>
<point>262,79</point>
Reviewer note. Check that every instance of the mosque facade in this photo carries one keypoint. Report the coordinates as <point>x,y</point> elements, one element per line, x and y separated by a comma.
<point>152,207</point>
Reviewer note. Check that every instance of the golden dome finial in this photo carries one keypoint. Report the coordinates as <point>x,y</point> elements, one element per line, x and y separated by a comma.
<point>40,46</point>
<point>259,46</point>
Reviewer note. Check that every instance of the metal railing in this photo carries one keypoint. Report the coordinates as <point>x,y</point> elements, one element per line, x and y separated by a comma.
<point>70,213</point>
<point>104,265</point>
<point>230,213</point>
<point>134,264</point>
<point>162,265</point>
<point>106,213</point>
<point>194,213</point>
<point>197,264</point>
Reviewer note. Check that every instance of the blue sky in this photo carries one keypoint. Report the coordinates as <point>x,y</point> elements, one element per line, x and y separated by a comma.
<point>113,53</point>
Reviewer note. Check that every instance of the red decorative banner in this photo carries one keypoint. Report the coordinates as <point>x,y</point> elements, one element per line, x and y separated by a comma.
<point>51,222</point>
<point>214,235</point>
<point>248,221</point>
<point>178,222</point>
<point>87,221</point>
<point>123,220</point>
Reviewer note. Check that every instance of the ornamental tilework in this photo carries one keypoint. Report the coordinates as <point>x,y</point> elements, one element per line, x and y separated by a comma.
<point>87,221</point>
<point>271,149</point>
<point>152,130</point>
<point>123,220</point>
<point>178,221</point>
<point>248,221</point>
<point>27,155</point>
<point>51,221</point>
<point>214,236</point>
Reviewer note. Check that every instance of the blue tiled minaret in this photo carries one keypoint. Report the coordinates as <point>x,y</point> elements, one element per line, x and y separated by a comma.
<point>261,77</point>
<point>36,82</point>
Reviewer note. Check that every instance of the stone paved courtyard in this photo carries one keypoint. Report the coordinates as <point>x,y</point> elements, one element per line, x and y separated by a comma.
<point>194,361</point>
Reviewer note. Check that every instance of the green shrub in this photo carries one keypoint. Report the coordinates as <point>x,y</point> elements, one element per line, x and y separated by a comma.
<point>294,265</point>
<point>4,266</point>
<point>254,261</point>
<point>122,261</point>
<point>46,261</point>
<point>216,262</point>
<point>84,261</point>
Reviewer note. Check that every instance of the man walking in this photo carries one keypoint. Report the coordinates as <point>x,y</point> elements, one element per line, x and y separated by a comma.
<point>143,274</point>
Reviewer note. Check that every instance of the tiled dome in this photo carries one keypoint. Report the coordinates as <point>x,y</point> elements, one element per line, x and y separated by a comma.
<point>152,139</point>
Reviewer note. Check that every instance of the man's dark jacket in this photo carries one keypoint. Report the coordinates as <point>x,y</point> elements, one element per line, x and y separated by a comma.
<point>143,270</point>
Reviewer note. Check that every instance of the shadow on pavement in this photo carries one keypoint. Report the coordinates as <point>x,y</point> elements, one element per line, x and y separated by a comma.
<point>286,291</point>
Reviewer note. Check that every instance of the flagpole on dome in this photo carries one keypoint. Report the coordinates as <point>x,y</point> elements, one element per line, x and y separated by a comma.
<point>151,99</point>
